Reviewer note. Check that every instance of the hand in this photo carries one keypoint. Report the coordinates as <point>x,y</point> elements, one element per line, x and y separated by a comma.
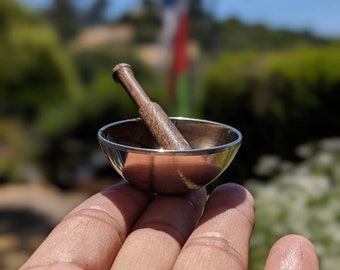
<point>125,228</point>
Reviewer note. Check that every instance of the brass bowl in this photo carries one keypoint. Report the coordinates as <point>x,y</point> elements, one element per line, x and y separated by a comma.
<point>132,152</point>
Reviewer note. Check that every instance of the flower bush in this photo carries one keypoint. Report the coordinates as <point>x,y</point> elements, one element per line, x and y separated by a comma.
<point>302,198</point>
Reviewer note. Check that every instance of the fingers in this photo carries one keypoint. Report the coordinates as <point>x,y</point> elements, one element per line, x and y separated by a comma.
<point>292,252</point>
<point>91,235</point>
<point>161,231</point>
<point>221,239</point>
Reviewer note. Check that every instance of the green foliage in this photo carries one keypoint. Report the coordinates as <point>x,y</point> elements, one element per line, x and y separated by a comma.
<point>37,74</point>
<point>238,36</point>
<point>275,80</point>
<point>147,23</point>
<point>301,198</point>
<point>65,18</point>
<point>58,97</point>
<point>103,95</point>
<point>18,149</point>
<point>104,101</point>
<point>39,87</point>
<point>277,99</point>
<point>96,12</point>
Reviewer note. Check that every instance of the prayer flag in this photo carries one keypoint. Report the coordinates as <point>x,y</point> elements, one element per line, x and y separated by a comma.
<point>176,33</point>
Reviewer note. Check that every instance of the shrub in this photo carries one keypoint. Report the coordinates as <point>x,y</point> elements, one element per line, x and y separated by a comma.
<point>302,198</point>
<point>277,99</point>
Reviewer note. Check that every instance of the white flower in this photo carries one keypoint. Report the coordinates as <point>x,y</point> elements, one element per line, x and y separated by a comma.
<point>267,164</point>
<point>301,198</point>
<point>330,144</point>
<point>324,159</point>
<point>304,150</point>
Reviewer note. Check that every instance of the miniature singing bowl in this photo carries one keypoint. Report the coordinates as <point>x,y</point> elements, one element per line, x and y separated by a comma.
<point>133,153</point>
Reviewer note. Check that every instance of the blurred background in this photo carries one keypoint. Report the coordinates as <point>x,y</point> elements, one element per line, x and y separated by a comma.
<point>269,69</point>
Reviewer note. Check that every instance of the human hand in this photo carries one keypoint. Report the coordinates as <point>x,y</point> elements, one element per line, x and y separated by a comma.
<point>126,228</point>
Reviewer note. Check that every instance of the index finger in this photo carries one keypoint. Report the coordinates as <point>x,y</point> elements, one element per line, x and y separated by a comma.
<point>92,234</point>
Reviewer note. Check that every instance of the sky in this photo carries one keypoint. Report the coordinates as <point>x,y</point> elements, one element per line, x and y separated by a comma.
<point>321,17</point>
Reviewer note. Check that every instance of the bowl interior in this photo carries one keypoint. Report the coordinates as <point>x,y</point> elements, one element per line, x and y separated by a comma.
<point>199,134</point>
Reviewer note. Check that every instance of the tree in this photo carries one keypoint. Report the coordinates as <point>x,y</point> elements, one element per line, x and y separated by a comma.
<point>39,88</point>
<point>65,18</point>
<point>37,76</point>
<point>96,13</point>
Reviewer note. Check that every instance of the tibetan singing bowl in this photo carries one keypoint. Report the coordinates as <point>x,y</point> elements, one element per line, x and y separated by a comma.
<point>133,153</point>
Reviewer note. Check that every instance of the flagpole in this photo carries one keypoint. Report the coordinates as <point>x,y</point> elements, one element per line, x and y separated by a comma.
<point>175,36</point>
<point>181,60</point>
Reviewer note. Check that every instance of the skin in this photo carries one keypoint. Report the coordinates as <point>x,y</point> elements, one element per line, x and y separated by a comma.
<point>126,228</point>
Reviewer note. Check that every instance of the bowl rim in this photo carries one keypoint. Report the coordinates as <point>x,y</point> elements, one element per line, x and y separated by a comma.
<point>195,151</point>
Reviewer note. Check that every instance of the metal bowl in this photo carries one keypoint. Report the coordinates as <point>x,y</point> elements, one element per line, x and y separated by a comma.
<point>133,153</point>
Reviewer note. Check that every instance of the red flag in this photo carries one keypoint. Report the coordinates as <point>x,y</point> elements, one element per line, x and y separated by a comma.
<point>176,35</point>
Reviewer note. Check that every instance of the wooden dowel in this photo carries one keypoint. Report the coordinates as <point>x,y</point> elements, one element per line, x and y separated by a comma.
<point>162,129</point>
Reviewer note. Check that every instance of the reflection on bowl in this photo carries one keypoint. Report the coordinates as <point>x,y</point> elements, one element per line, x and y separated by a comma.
<point>133,153</point>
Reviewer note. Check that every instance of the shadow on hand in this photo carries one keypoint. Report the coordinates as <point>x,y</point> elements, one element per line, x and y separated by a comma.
<point>125,197</point>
